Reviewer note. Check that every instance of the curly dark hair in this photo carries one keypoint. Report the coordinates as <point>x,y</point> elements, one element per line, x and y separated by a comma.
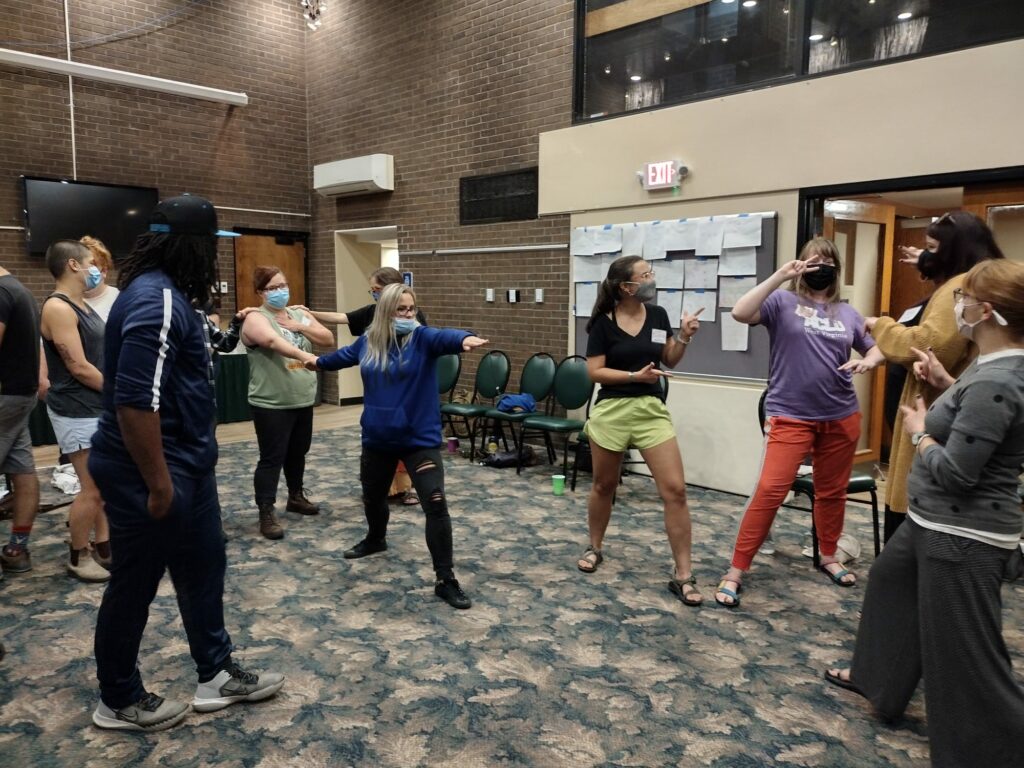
<point>189,260</point>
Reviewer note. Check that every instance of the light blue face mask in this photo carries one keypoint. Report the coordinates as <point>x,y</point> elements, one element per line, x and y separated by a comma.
<point>405,325</point>
<point>278,298</point>
<point>93,278</point>
<point>375,295</point>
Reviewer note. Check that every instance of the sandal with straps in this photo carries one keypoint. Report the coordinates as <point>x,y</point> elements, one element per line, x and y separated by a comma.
<point>838,576</point>
<point>592,557</point>
<point>685,589</point>
<point>733,595</point>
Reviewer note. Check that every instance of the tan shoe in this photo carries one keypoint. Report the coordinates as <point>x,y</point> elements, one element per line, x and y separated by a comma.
<point>84,568</point>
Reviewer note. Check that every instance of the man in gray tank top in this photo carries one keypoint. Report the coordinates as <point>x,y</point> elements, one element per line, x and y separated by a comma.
<point>73,343</point>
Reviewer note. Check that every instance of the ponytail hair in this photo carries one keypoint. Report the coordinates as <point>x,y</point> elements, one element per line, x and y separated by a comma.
<point>620,271</point>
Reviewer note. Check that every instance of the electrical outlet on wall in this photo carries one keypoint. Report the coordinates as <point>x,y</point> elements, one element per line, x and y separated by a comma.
<point>223,287</point>
<point>488,294</point>
<point>538,295</point>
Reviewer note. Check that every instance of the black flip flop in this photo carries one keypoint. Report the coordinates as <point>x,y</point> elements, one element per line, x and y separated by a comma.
<point>840,682</point>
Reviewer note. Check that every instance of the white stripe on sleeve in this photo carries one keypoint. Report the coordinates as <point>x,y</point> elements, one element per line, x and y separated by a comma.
<point>165,327</point>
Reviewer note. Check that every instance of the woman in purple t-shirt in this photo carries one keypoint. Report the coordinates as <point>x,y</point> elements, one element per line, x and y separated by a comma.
<point>810,407</point>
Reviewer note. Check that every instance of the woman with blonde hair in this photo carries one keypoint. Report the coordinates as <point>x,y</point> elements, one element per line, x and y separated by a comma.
<point>401,421</point>
<point>810,407</point>
<point>935,593</point>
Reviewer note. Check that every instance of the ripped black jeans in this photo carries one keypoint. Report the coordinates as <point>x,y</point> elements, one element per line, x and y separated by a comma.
<point>426,470</point>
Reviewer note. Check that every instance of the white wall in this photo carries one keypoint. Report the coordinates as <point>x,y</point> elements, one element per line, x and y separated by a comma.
<point>753,152</point>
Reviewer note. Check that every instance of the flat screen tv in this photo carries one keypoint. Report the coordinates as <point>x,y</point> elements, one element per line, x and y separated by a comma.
<point>56,209</point>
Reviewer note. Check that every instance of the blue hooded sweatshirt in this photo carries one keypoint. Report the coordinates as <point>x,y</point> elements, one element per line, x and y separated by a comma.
<point>401,407</point>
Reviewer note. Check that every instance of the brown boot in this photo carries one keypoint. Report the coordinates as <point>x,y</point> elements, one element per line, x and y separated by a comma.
<point>297,502</point>
<point>269,526</point>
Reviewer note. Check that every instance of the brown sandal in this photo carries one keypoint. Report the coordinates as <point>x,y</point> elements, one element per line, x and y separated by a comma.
<point>685,589</point>
<point>592,557</point>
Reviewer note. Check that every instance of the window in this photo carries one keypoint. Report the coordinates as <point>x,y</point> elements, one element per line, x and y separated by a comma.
<point>633,55</point>
<point>498,197</point>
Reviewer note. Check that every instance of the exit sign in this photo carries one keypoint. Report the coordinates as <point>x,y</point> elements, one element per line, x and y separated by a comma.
<point>661,175</point>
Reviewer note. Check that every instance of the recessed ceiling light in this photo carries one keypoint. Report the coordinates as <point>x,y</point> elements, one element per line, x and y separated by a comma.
<point>833,42</point>
<point>636,78</point>
<point>785,10</point>
<point>668,56</point>
<point>815,38</point>
<point>727,2</point>
<point>608,69</point>
<point>904,16</point>
<point>871,2</point>
<point>725,39</point>
<point>749,3</point>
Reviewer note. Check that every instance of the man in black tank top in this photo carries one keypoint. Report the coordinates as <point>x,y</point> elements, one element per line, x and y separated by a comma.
<point>73,343</point>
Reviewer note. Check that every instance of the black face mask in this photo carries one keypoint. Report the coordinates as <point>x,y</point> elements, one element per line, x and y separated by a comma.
<point>928,264</point>
<point>821,278</point>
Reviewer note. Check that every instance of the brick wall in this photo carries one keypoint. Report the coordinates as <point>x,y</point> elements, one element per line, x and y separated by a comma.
<point>450,89</point>
<point>243,157</point>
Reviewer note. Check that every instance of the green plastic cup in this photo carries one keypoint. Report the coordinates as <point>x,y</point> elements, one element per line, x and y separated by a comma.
<point>558,485</point>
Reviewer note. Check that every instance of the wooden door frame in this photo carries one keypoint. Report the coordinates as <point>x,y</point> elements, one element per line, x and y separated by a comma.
<point>303,237</point>
<point>885,216</point>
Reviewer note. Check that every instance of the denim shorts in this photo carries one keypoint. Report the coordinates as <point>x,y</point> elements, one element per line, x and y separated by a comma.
<point>618,423</point>
<point>73,434</point>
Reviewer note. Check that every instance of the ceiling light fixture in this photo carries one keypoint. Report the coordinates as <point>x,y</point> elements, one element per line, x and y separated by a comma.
<point>749,3</point>
<point>725,39</point>
<point>904,16</point>
<point>312,10</point>
<point>833,42</point>
<point>815,38</point>
<point>608,69</point>
<point>728,2</point>
<point>668,56</point>
<point>636,78</point>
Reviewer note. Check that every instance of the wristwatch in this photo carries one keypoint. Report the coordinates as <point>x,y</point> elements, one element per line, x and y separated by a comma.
<point>684,339</point>
<point>917,437</point>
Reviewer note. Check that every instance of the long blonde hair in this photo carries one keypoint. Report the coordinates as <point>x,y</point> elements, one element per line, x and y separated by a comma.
<point>381,336</point>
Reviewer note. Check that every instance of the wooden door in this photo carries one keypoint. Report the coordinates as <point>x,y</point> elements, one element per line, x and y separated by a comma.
<point>1001,206</point>
<point>867,254</point>
<point>286,253</point>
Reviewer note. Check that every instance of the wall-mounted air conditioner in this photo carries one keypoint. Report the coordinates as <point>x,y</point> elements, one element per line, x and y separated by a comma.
<point>355,176</point>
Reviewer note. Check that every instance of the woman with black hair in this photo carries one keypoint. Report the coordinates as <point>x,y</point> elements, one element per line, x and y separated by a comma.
<point>956,242</point>
<point>630,337</point>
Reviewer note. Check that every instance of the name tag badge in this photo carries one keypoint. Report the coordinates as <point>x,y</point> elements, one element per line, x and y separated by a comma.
<point>658,336</point>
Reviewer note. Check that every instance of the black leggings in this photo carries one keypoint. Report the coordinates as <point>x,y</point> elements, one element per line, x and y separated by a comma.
<point>284,436</point>
<point>426,470</point>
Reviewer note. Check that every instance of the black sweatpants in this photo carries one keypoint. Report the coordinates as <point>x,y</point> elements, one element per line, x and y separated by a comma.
<point>426,470</point>
<point>284,436</point>
<point>933,610</point>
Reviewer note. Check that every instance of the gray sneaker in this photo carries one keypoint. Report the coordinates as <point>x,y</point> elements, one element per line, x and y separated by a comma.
<point>232,685</point>
<point>150,713</point>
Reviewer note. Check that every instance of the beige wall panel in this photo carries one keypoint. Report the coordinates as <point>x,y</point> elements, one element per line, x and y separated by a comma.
<point>841,128</point>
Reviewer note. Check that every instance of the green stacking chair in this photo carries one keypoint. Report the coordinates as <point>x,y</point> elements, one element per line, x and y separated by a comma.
<point>491,379</point>
<point>572,390</point>
<point>859,483</point>
<point>448,369</point>
<point>537,379</point>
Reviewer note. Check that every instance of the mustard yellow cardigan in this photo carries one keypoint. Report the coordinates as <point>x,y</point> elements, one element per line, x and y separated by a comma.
<point>937,330</point>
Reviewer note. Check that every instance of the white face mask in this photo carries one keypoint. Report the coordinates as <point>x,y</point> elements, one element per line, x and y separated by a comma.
<point>963,327</point>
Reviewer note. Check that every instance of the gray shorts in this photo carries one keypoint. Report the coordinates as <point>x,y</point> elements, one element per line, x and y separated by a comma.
<point>73,433</point>
<point>15,441</point>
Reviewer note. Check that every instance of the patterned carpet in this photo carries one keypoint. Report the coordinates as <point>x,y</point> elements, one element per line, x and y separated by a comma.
<point>549,668</point>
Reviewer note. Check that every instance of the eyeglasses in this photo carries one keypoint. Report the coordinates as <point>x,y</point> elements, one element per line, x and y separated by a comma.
<point>277,287</point>
<point>648,274</point>
<point>409,311</point>
<point>959,294</point>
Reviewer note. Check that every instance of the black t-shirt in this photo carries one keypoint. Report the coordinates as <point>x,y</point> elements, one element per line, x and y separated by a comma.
<point>359,319</point>
<point>630,353</point>
<point>19,350</point>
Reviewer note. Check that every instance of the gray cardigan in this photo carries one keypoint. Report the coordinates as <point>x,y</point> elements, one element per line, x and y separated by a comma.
<point>970,479</point>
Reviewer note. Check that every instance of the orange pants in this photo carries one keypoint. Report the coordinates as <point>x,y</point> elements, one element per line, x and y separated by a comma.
<point>832,445</point>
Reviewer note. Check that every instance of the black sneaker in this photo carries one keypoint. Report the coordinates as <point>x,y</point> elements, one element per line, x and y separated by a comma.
<point>150,713</point>
<point>450,591</point>
<point>364,548</point>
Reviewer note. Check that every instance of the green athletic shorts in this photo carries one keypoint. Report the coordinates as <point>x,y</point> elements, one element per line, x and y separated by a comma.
<point>618,423</point>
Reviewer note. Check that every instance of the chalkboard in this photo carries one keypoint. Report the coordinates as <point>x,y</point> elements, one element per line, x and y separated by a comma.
<point>704,356</point>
